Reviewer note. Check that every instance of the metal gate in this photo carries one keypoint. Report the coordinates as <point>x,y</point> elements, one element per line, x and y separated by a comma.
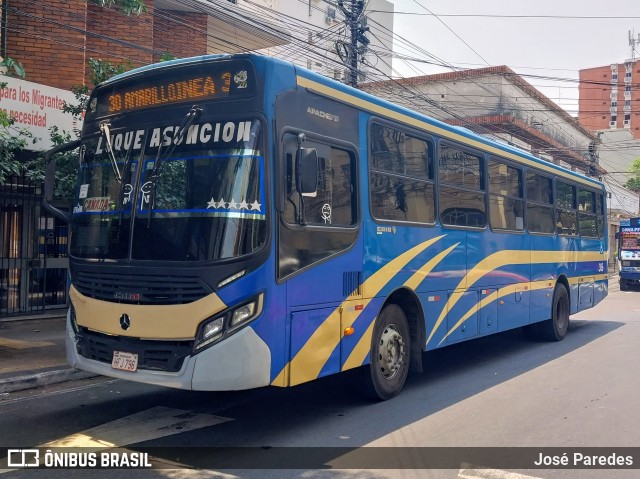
<point>33,252</point>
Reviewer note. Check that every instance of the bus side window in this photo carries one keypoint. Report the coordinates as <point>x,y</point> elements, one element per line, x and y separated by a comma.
<point>401,176</point>
<point>587,214</point>
<point>540,217</point>
<point>506,206</point>
<point>566,214</point>
<point>461,193</point>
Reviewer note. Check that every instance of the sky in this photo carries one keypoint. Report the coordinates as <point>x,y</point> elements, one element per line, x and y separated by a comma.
<point>548,43</point>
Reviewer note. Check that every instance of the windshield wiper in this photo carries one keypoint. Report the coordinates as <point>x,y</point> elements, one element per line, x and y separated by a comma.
<point>187,121</point>
<point>106,134</point>
<point>161,156</point>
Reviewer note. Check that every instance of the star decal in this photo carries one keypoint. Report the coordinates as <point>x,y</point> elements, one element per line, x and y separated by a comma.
<point>222,203</point>
<point>212,204</point>
<point>244,205</point>
<point>255,206</point>
<point>233,205</point>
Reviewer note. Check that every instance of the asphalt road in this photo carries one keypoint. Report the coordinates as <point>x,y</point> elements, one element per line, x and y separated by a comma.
<point>502,392</point>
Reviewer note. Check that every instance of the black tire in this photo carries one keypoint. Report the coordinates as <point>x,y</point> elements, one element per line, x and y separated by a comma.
<point>623,285</point>
<point>390,354</point>
<point>555,329</point>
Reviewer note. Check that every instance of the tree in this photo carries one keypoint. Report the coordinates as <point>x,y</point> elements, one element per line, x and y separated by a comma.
<point>12,139</point>
<point>128,7</point>
<point>633,183</point>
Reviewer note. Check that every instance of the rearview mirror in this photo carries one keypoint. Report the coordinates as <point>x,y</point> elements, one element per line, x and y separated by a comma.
<point>307,171</point>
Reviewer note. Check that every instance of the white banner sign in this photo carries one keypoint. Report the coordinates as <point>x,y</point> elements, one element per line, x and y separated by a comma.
<point>37,108</point>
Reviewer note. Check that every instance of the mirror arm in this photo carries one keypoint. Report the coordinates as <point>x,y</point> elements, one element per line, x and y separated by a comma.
<point>50,179</point>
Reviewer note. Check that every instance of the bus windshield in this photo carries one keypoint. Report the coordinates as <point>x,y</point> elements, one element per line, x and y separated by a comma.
<point>203,202</point>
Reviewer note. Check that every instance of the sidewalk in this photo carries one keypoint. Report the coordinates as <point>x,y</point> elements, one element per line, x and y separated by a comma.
<point>32,353</point>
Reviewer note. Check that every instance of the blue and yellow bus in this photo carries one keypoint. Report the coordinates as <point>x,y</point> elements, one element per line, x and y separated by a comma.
<point>241,222</point>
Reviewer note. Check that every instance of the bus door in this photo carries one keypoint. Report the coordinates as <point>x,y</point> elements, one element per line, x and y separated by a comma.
<point>318,258</point>
<point>319,254</point>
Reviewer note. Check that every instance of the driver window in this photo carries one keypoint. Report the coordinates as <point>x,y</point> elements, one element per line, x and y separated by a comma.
<point>334,202</point>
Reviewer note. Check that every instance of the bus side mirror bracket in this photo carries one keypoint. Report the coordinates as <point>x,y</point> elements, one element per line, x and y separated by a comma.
<point>50,177</point>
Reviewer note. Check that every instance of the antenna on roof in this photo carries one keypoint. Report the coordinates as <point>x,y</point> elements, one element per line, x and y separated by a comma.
<point>632,43</point>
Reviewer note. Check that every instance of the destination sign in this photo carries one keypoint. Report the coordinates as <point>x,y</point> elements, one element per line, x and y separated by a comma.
<point>204,82</point>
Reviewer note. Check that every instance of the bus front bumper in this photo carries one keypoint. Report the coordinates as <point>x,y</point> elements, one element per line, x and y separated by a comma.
<point>242,361</point>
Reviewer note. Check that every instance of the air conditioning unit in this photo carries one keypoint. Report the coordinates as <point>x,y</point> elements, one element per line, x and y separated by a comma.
<point>331,16</point>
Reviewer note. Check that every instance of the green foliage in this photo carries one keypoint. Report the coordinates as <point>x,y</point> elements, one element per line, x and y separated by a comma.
<point>102,70</point>
<point>10,144</point>
<point>13,68</point>
<point>166,56</point>
<point>66,167</point>
<point>635,167</point>
<point>12,140</point>
<point>128,7</point>
<point>633,184</point>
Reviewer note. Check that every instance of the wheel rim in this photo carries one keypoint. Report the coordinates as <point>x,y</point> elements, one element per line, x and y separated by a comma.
<point>391,352</point>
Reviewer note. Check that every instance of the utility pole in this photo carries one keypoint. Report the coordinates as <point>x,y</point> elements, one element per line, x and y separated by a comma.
<point>349,52</point>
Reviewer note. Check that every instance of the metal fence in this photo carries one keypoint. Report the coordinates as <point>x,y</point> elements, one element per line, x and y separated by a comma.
<point>33,252</point>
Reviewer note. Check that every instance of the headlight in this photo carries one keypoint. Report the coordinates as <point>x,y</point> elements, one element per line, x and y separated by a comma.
<point>243,314</point>
<point>215,328</point>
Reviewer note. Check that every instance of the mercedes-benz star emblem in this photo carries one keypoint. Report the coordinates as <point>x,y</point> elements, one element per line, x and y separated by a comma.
<point>125,322</point>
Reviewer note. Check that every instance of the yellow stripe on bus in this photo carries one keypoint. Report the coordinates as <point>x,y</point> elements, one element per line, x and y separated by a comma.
<point>360,352</point>
<point>512,257</point>
<point>309,361</point>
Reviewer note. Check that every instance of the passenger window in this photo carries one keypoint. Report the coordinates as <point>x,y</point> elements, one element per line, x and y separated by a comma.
<point>540,217</point>
<point>566,214</point>
<point>587,214</point>
<point>506,206</point>
<point>461,195</point>
<point>401,176</point>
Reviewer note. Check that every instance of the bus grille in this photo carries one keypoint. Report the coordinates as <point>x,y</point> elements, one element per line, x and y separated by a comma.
<point>140,289</point>
<point>153,355</point>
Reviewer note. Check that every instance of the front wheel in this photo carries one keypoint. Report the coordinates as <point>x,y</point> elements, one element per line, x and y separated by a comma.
<point>390,354</point>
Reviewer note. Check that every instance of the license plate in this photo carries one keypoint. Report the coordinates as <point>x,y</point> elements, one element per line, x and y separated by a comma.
<point>124,361</point>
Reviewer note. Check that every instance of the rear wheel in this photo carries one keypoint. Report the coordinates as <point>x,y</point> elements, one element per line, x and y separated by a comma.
<point>390,354</point>
<point>623,285</point>
<point>555,329</point>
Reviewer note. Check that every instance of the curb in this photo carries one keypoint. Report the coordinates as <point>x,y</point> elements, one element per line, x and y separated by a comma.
<point>30,381</point>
